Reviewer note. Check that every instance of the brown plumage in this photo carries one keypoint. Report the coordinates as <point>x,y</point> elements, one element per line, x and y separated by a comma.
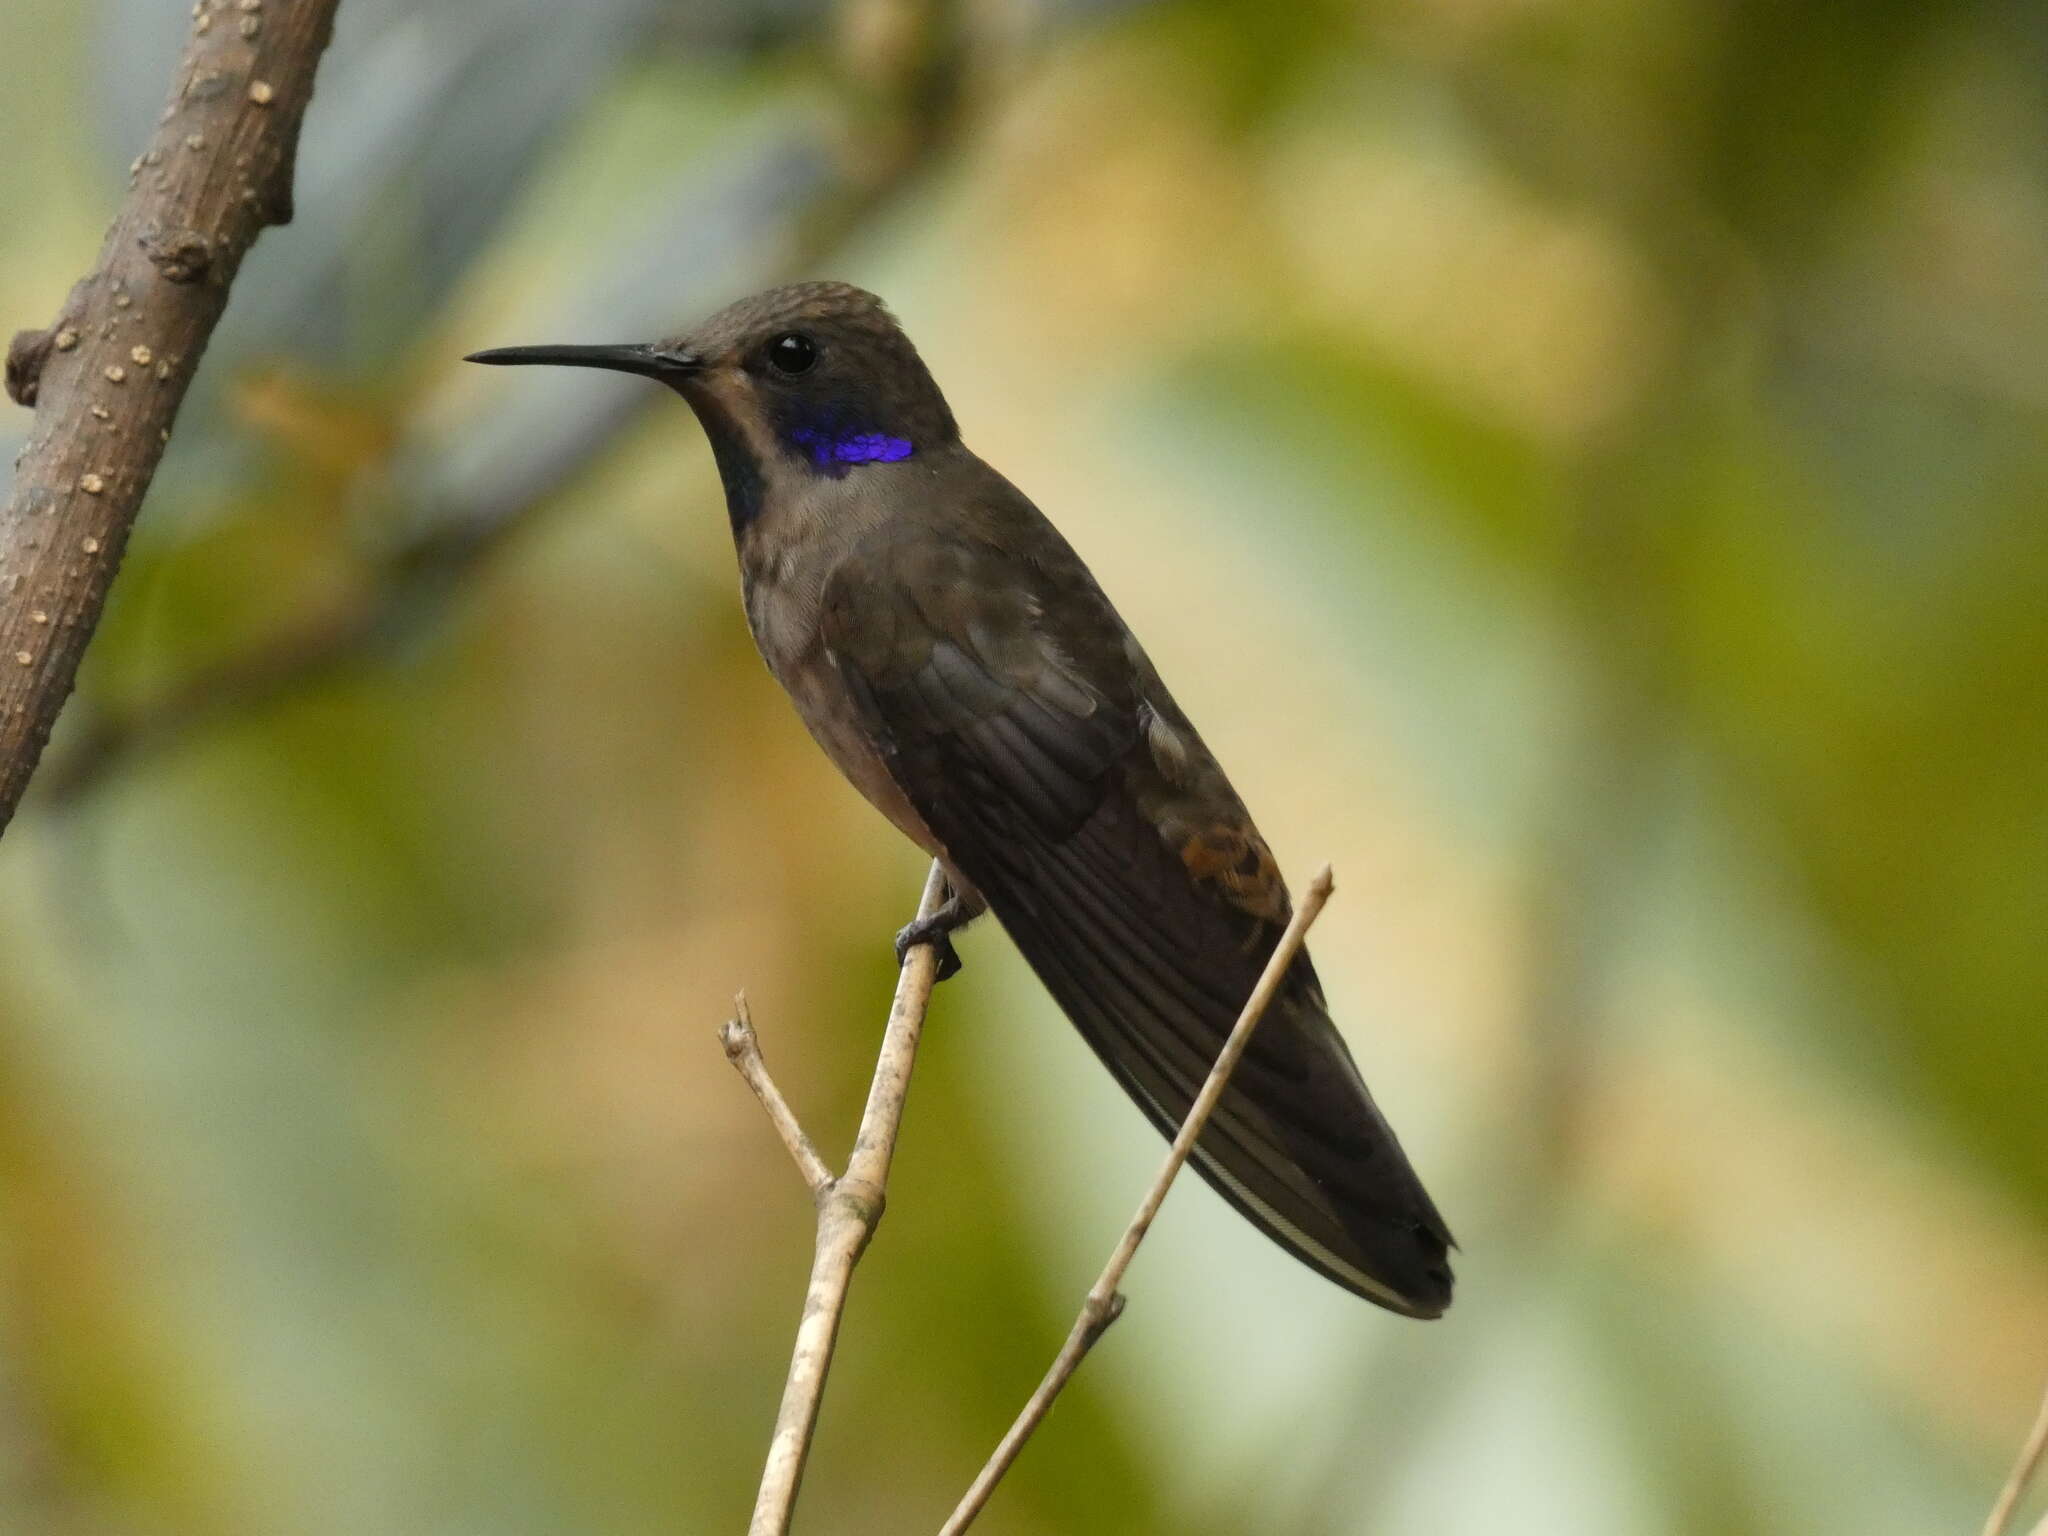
<point>954,656</point>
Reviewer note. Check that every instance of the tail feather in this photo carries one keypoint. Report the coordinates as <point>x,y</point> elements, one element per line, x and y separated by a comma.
<point>1296,1144</point>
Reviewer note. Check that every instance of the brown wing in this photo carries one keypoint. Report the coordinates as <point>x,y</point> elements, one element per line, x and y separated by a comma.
<point>1020,718</point>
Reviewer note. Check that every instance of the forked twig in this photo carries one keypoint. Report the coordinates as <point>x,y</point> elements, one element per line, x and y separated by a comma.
<point>1105,1303</point>
<point>743,1050</point>
<point>849,1209</point>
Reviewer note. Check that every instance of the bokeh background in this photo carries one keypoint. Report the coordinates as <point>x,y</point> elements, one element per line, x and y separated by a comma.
<point>1584,465</point>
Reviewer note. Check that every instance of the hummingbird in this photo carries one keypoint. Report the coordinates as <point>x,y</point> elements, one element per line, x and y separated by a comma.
<point>957,661</point>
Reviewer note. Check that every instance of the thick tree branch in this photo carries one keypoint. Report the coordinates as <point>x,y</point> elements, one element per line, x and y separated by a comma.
<point>106,378</point>
<point>849,1209</point>
<point>908,95</point>
<point>1105,1303</point>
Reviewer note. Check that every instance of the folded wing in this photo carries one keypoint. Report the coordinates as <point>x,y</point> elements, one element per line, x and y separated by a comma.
<point>1022,721</point>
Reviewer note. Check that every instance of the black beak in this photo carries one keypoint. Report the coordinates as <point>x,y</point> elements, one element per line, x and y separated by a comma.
<point>649,360</point>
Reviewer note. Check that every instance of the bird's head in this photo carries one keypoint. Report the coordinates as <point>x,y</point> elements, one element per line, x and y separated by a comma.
<point>816,379</point>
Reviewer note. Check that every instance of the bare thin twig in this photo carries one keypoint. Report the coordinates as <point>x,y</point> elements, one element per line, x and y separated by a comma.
<point>107,377</point>
<point>743,1050</point>
<point>849,1209</point>
<point>2021,1475</point>
<point>1105,1304</point>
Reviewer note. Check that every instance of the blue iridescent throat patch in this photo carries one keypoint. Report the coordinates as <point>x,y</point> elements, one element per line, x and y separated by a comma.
<point>860,448</point>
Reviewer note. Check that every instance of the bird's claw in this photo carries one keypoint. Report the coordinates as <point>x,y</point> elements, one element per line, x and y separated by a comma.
<point>937,931</point>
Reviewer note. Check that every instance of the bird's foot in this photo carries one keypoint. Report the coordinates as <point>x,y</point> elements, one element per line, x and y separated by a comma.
<point>932,931</point>
<point>937,930</point>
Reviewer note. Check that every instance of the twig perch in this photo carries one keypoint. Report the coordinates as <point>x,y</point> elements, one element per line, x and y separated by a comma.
<point>1105,1303</point>
<point>2021,1475</point>
<point>849,1209</point>
<point>107,377</point>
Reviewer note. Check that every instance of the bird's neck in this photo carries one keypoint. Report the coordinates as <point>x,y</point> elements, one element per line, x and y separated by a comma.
<point>745,456</point>
<point>763,460</point>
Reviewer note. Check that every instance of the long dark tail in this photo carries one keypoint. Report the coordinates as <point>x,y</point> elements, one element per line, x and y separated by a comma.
<point>1154,977</point>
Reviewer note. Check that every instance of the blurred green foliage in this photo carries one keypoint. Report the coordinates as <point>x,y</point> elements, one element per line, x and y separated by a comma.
<point>1584,466</point>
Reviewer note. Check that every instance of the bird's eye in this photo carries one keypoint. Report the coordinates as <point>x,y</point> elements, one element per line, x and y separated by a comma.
<point>793,352</point>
